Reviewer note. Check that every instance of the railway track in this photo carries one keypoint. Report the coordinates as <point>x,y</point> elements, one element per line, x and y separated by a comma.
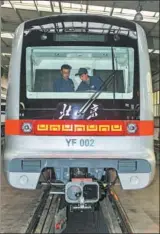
<point>156,144</point>
<point>115,215</point>
<point>157,149</point>
<point>47,216</point>
<point>2,133</point>
<point>52,216</point>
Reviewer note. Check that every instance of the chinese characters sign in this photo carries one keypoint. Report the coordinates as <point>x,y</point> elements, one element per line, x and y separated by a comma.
<point>71,111</point>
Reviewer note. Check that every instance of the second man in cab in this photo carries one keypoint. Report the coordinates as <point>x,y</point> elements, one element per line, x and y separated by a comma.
<point>88,83</point>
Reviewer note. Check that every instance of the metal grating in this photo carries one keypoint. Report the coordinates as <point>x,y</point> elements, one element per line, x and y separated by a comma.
<point>31,165</point>
<point>127,165</point>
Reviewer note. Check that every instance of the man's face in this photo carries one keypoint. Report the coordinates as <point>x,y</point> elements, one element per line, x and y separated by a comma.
<point>84,77</point>
<point>65,73</point>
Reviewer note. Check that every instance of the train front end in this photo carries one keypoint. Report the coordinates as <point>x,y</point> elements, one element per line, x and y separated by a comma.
<point>81,133</point>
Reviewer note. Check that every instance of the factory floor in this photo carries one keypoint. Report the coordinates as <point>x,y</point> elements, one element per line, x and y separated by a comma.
<point>16,207</point>
<point>142,207</point>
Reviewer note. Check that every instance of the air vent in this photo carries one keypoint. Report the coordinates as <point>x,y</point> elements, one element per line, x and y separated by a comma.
<point>127,165</point>
<point>31,165</point>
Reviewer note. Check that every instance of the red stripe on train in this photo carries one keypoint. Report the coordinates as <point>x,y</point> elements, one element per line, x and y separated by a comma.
<point>79,127</point>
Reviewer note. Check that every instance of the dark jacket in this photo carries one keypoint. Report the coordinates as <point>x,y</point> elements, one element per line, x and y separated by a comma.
<point>62,85</point>
<point>94,84</point>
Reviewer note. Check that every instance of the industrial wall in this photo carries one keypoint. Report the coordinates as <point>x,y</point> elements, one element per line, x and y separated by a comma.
<point>4,84</point>
<point>156,104</point>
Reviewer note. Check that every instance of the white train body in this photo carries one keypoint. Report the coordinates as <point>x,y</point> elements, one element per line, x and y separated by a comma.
<point>3,105</point>
<point>3,114</point>
<point>26,154</point>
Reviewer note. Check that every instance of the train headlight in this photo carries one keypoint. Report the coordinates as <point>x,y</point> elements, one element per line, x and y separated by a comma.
<point>132,128</point>
<point>23,180</point>
<point>82,192</point>
<point>27,127</point>
<point>73,193</point>
<point>134,180</point>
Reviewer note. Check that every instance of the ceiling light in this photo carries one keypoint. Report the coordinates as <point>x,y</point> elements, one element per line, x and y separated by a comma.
<point>148,13</point>
<point>156,51</point>
<point>150,50</point>
<point>6,54</point>
<point>138,16</point>
<point>7,35</point>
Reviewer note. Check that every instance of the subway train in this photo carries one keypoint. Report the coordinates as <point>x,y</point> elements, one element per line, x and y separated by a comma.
<point>75,138</point>
<point>3,107</point>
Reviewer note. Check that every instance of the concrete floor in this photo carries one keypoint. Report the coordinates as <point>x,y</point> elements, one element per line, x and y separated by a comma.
<point>141,206</point>
<point>16,207</point>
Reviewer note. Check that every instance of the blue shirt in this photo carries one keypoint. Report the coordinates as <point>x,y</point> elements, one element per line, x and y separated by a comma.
<point>93,84</point>
<point>62,85</point>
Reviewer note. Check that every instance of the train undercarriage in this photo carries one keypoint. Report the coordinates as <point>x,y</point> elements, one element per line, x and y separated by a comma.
<point>58,202</point>
<point>82,191</point>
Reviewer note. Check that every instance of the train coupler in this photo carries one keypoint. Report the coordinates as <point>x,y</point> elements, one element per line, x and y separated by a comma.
<point>81,194</point>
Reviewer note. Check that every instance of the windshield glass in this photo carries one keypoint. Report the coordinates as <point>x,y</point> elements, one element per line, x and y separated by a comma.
<point>75,72</point>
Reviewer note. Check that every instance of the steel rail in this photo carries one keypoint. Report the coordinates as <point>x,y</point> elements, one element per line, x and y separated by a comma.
<point>48,213</point>
<point>37,212</point>
<point>124,221</point>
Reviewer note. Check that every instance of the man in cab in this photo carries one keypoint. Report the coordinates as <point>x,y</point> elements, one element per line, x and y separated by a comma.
<point>64,83</point>
<point>88,83</point>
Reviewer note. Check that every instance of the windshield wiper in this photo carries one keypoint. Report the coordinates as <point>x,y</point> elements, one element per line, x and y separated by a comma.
<point>32,69</point>
<point>114,81</point>
<point>85,107</point>
<point>106,83</point>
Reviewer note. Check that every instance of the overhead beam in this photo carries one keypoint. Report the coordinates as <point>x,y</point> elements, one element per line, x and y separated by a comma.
<point>2,20</point>
<point>156,76</point>
<point>5,49</point>
<point>36,6</point>
<point>5,43</point>
<point>9,27</point>
<point>154,26</point>
<point>51,5</point>
<point>153,43</point>
<point>60,6</point>
<point>6,58</point>
<point>155,71</point>
<point>147,6</point>
<point>61,11</point>
<point>87,6</point>
<point>16,10</point>
<point>4,67</point>
<point>112,9</point>
<point>5,61</point>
